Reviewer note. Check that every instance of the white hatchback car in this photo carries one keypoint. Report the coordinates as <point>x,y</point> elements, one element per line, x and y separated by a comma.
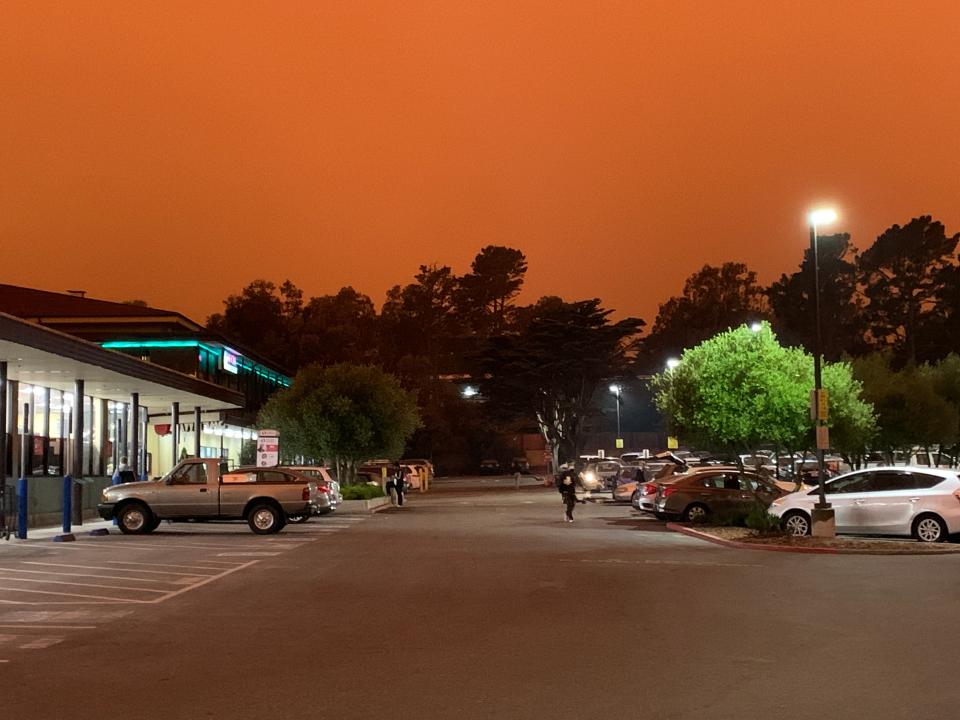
<point>922,502</point>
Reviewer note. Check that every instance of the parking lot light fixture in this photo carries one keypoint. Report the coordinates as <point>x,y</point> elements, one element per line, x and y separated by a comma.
<point>672,363</point>
<point>818,217</point>
<point>469,391</point>
<point>756,327</point>
<point>615,389</point>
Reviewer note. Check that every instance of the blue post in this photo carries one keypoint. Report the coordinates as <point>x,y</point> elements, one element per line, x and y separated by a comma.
<point>116,480</point>
<point>67,503</point>
<point>22,509</point>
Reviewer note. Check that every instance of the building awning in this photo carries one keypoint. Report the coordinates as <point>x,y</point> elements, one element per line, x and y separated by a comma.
<point>48,358</point>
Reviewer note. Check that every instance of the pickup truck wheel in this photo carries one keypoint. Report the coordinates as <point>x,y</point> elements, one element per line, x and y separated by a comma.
<point>153,525</point>
<point>134,519</point>
<point>264,519</point>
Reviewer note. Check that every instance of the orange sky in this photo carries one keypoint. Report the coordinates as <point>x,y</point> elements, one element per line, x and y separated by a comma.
<point>174,151</point>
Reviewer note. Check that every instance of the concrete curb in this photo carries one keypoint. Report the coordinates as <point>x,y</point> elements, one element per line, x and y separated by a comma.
<point>683,529</point>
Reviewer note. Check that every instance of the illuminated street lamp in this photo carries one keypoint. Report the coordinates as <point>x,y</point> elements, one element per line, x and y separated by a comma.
<point>756,327</point>
<point>823,512</point>
<point>615,389</point>
<point>469,391</point>
<point>672,363</point>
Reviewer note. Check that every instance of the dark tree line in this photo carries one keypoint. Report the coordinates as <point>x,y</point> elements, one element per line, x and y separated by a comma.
<point>541,363</point>
<point>900,296</point>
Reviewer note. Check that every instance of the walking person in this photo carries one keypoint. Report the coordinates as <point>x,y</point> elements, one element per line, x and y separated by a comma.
<point>568,493</point>
<point>399,483</point>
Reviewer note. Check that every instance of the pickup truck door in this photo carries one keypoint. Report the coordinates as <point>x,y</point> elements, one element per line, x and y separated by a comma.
<point>188,493</point>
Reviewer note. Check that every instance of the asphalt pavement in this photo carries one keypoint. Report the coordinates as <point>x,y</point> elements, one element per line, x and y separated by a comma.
<point>475,600</point>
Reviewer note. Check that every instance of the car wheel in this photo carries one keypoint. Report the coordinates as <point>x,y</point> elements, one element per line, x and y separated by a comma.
<point>695,513</point>
<point>134,519</point>
<point>154,523</point>
<point>661,516</point>
<point>264,519</point>
<point>297,518</point>
<point>796,523</point>
<point>635,499</point>
<point>929,529</point>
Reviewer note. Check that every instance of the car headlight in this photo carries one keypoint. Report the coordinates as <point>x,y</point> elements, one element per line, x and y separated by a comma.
<point>589,477</point>
<point>103,495</point>
<point>777,503</point>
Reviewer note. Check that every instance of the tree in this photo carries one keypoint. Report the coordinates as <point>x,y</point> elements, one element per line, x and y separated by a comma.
<point>551,368</point>
<point>790,300</point>
<point>418,319</point>
<point>260,318</point>
<point>486,293</point>
<point>742,389</point>
<point>338,328</point>
<point>714,299</point>
<point>343,413</point>
<point>903,274</point>
<point>910,412</point>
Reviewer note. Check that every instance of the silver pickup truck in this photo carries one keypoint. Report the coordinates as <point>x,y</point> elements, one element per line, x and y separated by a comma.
<point>197,489</point>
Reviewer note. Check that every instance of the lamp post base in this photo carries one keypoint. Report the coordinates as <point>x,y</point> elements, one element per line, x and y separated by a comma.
<point>822,523</point>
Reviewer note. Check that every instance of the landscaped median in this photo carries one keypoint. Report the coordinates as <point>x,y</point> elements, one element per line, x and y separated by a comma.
<point>745,539</point>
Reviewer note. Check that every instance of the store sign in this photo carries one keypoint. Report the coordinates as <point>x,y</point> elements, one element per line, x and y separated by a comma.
<point>230,360</point>
<point>268,448</point>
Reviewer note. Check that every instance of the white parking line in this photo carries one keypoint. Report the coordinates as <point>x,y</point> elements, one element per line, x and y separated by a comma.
<point>180,581</point>
<point>112,569</point>
<point>201,584</point>
<point>169,565</point>
<point>64,582</point>
<point>110,600</point>
<point>50,627</point>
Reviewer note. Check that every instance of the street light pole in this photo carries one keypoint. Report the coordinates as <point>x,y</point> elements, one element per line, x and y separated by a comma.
<point>615,389</point>
<point>819,217</point>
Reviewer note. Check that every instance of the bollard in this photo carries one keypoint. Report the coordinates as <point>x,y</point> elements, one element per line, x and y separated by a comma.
<point>516,479</point>
<point>22,506</point>
<point>67,503</point>
<point>78,502</point>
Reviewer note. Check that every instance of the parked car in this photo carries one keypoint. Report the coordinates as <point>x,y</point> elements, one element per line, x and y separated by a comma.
<point>328,489</point>
<point>922,502</point>
<point>701,493</point>
<point>520,465</point>
<point>599,475</point>
<point>644,498</point>
<point>489,467</point>
<point>626,483</point>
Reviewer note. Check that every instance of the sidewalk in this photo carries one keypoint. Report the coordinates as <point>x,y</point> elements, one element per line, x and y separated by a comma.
<point>47,534</point>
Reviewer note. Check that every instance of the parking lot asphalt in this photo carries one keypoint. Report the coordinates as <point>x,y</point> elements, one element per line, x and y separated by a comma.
<point>50,592</point>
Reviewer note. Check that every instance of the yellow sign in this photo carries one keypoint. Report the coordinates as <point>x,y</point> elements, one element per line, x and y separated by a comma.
<point>672,443</point>
<point>823,404</point>
<point>619,443</point>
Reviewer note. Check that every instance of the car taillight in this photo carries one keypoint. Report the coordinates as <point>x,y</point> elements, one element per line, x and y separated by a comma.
<point>650,489</point>
<point>957,495</point>
<point>306,493</point>
<point>323,487</point>
<point>668,490</point>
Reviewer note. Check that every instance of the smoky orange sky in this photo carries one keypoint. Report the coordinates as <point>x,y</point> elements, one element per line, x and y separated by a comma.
<point>174,151</point>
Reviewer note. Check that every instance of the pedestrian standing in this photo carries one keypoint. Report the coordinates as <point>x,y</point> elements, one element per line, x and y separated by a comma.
<point>399,483</point>
<point>568,493</point>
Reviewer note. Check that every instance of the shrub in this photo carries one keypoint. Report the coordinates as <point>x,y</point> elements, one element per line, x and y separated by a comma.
<point>760,520</point>
<point>361,492</point>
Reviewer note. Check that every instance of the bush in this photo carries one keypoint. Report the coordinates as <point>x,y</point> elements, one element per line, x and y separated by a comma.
<point>361,492</point>
<point>760,520</point>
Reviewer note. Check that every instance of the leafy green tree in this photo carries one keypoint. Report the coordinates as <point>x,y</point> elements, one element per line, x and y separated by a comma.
<point>904,274</point>
<point>713,300</point>
<point>842,331</point>
<point>550,369</point>
<point>741,389</point>
<point>345,414</point>
<point>910,411</point>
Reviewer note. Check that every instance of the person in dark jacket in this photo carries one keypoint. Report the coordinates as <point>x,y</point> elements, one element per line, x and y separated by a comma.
<point>567,486</point>
<point>399,483</point>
